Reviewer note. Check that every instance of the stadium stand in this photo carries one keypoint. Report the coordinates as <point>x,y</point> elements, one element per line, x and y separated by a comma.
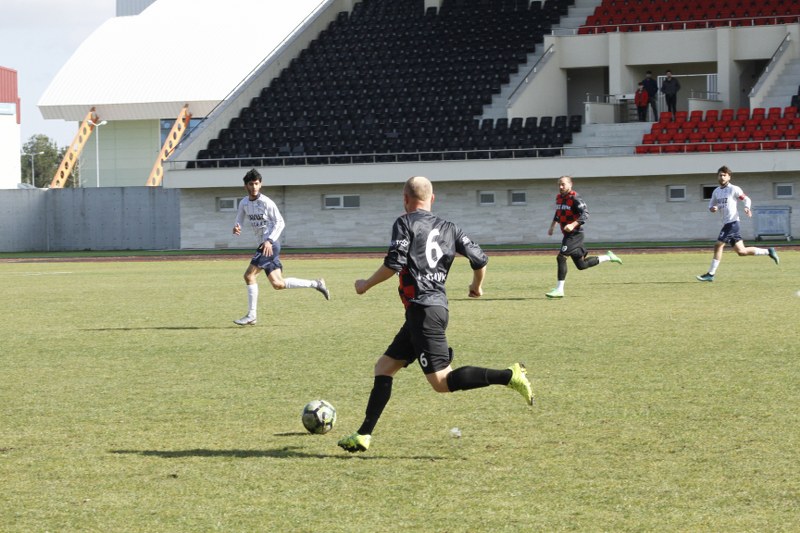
<point>392,81</point>
<point>656,15</point>
<point>728,130</point>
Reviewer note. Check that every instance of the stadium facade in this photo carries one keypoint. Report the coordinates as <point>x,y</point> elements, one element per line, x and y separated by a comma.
<point>255,62</point>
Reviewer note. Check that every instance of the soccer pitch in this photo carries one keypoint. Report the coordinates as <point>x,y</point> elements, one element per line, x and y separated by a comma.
<point>130,402</point>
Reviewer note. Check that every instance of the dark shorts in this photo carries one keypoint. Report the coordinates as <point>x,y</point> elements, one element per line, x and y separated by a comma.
<point>270,263</point>
<point>572,245</point>
<point>729,234</point>
<point>422,338</point>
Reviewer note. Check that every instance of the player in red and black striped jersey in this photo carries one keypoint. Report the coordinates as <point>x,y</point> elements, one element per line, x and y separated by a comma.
<point>422,251</point>
<point>571,215</point>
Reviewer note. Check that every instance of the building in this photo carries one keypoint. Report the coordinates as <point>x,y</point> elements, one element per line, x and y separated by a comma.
<point>9,129</point>
<point>579,65</point>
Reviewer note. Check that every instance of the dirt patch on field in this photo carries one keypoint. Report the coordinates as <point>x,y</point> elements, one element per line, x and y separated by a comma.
<point>288,255</point>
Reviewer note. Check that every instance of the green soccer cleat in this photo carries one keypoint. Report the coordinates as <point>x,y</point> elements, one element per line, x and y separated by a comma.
<point>774,256</point>
<point>613,257</point>
<point>706,277</point>
<point>355,443</point>
<point>555,293</point>
<point>519,382</point>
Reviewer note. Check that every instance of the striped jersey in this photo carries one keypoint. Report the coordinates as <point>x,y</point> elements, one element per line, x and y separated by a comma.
<point>726,200</point>
<point>422,251</point>
<point>569,208</point>
<point>263,216</point>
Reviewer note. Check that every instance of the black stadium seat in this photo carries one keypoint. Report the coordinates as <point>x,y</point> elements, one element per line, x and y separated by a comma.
<point>394,77</point>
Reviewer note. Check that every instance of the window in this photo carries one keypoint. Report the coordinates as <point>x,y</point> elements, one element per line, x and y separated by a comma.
<point>166,127</point>
<point>784,190</point>
<point>676,193</point>
<point>517,197</point>
<point>341,201</point>
<point>708,190</point>
<point>227,204</point>
<point>485,198</point>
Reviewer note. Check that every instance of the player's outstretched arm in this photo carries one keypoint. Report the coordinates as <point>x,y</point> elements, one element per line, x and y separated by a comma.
<point>476,287</point>
<point>382,274</point>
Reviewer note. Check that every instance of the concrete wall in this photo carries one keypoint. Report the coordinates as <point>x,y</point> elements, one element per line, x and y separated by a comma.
<point>634,208</point>
<point>130,218</point>
<point>622,209</point>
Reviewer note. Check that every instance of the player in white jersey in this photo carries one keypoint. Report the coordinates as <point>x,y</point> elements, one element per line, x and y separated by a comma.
<point>263,216</point>
<point>725,199</point>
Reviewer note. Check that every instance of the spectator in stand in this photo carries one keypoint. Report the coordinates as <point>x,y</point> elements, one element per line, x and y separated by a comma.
<point>670,87</point>
<point>651,87</point>
<point>641,98</point>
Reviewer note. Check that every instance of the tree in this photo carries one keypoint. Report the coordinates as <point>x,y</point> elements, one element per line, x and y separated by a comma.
<point>46,156</point>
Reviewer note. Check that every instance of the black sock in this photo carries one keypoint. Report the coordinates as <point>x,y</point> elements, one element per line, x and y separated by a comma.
<point>475,377</point>
<point>378,398</point>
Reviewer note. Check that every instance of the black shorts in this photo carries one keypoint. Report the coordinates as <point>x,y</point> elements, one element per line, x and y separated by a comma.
<point>422,338</point>
<point>572,245</point>
<point>730,233</point>
<point>268,263</point>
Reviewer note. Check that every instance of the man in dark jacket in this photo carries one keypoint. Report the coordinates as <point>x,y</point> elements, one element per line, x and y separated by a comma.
<point>651,87</point>
<point>670,87</point>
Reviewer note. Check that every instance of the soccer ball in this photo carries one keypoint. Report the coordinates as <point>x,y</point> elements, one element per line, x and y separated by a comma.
<point>318,417</point>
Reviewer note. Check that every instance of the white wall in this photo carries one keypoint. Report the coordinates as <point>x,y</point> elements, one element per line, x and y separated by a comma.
<point>10,169</point>
<point>128,149</point>
<point>632,208</point>
<point>628,55</point>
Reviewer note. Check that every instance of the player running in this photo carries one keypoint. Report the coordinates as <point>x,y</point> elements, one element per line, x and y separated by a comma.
<point>422,250</point>
<point>571,215</point>
<point>726,198</point>
<point>267,223</point>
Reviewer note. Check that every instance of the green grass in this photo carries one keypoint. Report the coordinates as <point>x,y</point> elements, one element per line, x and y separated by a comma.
<point>130,402</point>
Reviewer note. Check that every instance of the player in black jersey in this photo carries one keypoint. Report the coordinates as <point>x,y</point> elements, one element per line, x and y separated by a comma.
<point>571,214</point>
<point>422,250</point>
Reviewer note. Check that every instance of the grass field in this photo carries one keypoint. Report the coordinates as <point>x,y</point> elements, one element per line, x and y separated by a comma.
<point>131,403</point>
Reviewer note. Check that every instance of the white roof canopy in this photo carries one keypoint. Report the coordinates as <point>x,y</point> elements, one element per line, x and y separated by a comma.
<point>175,52</point>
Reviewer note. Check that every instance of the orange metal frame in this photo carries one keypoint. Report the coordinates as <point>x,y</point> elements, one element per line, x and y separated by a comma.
<point>74,150</point>
<point>174,137</point>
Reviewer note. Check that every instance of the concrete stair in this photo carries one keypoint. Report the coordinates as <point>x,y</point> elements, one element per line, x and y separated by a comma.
<point>780,94</point>
<point>576,16</point>
<point>607,139</point>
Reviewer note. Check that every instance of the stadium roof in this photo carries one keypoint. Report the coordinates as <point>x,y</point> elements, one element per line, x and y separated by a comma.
<point>175,52</point>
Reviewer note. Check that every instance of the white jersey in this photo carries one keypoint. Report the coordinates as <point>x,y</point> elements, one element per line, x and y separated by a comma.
<point>263,216</point>
<point>726,199</point>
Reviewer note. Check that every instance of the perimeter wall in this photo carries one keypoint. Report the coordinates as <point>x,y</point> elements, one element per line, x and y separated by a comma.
<point>108,218</point>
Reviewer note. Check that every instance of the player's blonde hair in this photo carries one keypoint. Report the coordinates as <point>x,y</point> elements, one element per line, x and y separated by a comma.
<point>419,188</point>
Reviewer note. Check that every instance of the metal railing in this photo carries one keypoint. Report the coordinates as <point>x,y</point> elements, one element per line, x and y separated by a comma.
<point>489,154</point>
<point>697,24</point>
<point>776,56</point>
<point>530,74</point>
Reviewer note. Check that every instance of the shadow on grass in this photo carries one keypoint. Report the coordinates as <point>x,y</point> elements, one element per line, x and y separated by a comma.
<point>162,328</point>
<point>278,453</point>
<point>485,299</point>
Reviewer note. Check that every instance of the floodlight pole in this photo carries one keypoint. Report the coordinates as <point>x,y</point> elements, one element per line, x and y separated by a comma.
<point>33,169</point>
<point>97,147</point>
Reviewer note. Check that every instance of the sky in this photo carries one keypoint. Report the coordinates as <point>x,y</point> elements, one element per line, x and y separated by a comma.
<point>37,37</point>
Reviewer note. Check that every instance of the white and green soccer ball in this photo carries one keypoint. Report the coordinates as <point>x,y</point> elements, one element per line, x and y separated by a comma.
<point>319,417</point>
